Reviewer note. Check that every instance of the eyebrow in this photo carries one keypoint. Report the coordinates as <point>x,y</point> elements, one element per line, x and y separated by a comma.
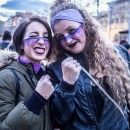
<point>70,27</point>
<point>37,33</point>
<point>33,32</point>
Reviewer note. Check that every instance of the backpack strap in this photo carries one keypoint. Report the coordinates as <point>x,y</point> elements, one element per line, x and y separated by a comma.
<point>17,85</point>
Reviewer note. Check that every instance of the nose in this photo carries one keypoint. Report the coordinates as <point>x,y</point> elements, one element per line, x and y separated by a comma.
<point>68,39</point>
<point>41,41</point>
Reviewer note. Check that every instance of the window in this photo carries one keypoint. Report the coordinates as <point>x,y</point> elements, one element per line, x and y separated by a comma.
<point>122,19</point>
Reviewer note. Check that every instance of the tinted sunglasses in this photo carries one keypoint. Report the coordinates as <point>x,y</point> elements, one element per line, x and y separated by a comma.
<point>70,36</point>
<point>33,40</point>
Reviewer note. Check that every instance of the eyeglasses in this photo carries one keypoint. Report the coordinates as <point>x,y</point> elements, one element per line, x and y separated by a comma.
<point>72,34</point>
<point>33,40</point>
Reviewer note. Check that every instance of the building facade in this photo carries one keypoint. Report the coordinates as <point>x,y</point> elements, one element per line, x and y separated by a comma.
<point>116,22</point>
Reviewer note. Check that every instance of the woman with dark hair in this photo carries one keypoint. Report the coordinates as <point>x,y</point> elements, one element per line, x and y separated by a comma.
<point>80,46</point>
<point>33,43</point>
<point>6,40</point>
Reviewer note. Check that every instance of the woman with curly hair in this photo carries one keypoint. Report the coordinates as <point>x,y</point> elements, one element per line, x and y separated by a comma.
<point>80,45</point>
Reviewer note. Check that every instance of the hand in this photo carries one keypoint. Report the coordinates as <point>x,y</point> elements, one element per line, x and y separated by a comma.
<point>71,70</point>
<point>44,87</point>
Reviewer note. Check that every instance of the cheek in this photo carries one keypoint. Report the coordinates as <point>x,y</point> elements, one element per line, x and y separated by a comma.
<point>47,45</point>
<point>82,33</point>
<point>83,36</point>
<point>27,48</point>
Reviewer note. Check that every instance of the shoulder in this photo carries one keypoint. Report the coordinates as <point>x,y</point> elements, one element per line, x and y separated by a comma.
<point>7,80</point>
<point>120,48</point>
<point>123,52</point>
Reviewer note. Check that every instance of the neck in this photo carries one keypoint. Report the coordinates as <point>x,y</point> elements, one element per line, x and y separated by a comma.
<point>36,66</point>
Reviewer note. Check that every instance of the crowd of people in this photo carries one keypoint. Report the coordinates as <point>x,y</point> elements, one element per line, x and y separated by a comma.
<point>6,41</point>
<point>85,84</point>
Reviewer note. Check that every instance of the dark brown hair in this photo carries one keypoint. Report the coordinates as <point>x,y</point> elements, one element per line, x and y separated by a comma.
<point>21,29</point>
<point>6,35</point>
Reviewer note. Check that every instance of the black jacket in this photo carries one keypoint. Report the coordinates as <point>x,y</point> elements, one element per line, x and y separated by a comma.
<point>73,106</point>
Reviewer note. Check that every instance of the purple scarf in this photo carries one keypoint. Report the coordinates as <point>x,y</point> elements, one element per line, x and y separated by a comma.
<point>36,66</point>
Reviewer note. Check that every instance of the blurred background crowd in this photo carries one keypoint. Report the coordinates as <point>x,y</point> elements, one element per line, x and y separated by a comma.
<point>115,20</point>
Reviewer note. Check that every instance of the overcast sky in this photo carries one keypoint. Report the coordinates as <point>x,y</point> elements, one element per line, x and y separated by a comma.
<point>9,7</point>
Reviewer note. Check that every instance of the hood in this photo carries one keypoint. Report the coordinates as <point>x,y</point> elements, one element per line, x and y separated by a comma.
<point>7,57</point>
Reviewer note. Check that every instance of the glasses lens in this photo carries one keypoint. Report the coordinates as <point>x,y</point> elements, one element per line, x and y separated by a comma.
<point>71,35</point>
<point>32,41</point>
<point>76,31</point>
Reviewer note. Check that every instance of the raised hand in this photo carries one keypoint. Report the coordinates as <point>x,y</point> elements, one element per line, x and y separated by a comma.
<point>70,70</point>
<point>44,87</point>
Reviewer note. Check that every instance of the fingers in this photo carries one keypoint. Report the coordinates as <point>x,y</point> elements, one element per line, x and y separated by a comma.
<point>45,87</point>
<point>70,62</point>
<point>67,59</point>
<point>45,77</point>
<point>70,70</point>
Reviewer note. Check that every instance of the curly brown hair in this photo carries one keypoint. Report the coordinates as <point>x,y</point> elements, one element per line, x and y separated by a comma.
<point>104,59</point>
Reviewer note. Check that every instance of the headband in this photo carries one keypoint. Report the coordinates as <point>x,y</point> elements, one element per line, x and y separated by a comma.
<point>68,14</point>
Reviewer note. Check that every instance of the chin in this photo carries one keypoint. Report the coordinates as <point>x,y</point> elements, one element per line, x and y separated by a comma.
<point>39,58</point>
<point>76,51</point>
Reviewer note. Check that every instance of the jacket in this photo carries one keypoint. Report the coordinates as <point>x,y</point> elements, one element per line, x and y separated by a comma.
<point>7,45</point>
<point>73,106</point>
<point>19,117</point>
<point>123,52</point>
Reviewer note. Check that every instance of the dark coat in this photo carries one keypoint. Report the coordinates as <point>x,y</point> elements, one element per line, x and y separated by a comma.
<point>19,117</point>
<point>73,106</point>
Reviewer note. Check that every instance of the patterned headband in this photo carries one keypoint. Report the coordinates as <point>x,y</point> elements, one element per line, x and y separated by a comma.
<point>68,14</point>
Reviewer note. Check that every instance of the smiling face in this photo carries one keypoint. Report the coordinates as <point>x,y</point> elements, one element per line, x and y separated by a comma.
<point>70,35</point>
<point>35,42</point>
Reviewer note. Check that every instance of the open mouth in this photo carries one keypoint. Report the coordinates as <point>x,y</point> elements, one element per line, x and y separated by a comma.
<point>73,45</point>
<point>39,50</point>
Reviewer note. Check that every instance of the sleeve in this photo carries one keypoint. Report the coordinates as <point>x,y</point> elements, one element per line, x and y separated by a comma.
<point>124,53</point>
<point>62,102</point>
<point>20,117</point>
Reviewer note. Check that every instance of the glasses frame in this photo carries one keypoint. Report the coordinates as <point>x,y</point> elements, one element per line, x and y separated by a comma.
<point>70,35</point>
<point>46,41</point>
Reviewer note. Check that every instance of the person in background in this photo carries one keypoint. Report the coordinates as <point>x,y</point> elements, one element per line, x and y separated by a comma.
<point>77,103</point>
<point>125,44</point>
<point>6,39</point>
<point>33,42</point>
<point>0,39</point>
<point>128,48</point>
